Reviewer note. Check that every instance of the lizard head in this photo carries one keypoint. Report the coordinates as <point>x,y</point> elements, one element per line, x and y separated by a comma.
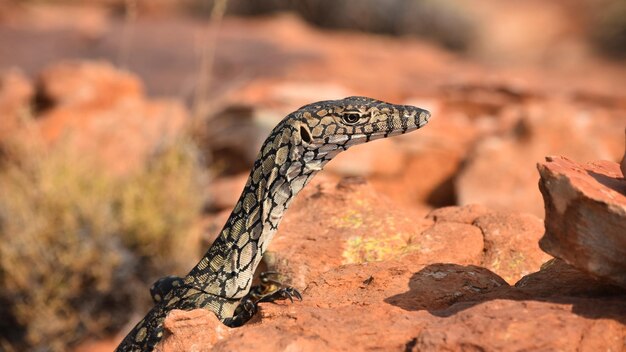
<point>311,136</point>
<point>335,125</point>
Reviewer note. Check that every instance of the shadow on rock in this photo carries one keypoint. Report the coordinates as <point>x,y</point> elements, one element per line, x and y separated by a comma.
<point>610,182</point>
<point>447,289</point>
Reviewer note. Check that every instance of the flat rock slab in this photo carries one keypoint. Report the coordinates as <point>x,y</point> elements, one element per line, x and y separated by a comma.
<point>585,215</point>
<point>458,285</point>
<point>402,305</point>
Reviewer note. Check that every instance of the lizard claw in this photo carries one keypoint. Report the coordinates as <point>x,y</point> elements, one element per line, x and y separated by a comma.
<point>297,294</point>
<point>282,293</point>
<point>248,305</point>
<point>269,290</point>
<point>246,309</point>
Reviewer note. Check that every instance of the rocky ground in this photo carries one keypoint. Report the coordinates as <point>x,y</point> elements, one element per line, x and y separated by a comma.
<point>437,240</point>
<point>461,278</point>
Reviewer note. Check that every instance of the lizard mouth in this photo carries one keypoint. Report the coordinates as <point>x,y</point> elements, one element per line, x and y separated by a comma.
<point>416,119</point>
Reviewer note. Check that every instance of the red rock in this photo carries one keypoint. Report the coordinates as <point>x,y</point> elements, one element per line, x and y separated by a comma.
<point>465,214</point>
<point>439,286</point>
<point>196,330</point>
<point>424,178</point>
<point>431,287</point>
<point>350,223</point>
<point>503,325</point>
<point>498,172</point>
<point>394,305</point>
<point>360,284</point>
<point>585,216</point>
<point>329,225</point>
<point>306,328</point>
<point>511,248</point>
<point>358,300</point>
<point>101,112</point>
<point>409,300</point>
<point>449,242</point>
<point>510,239</point>
<point>557,278</point>
<point>120,136</point>
<point>87,84</point>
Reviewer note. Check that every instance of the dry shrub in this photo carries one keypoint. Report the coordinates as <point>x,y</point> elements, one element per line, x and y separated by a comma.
<point>160,202</point>
<point>78,246</point>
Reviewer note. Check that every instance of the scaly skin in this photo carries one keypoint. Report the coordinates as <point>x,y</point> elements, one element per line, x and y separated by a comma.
<point>296,149</point>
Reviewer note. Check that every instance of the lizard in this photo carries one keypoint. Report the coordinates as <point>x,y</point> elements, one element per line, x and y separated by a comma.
<point>295,150</point>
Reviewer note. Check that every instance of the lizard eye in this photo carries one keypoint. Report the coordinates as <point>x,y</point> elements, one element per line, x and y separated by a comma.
<point>350,118</point>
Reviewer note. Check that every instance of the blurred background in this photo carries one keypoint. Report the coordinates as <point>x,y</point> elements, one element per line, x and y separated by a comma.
<point>127,127</point>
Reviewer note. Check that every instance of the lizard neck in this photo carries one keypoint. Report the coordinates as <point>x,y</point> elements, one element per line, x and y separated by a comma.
<point>278,175</point>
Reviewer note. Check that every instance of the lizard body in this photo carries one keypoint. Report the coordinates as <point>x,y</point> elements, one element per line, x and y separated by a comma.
<point>296,149</point>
